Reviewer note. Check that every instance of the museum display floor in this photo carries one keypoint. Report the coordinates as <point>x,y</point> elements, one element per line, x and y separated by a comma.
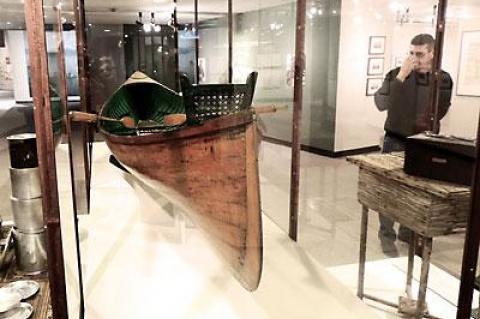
<point>139,259</point>
<point>143,261</point>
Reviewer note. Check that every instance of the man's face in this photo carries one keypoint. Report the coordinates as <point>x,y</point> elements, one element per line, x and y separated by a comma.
<point>423,57</point>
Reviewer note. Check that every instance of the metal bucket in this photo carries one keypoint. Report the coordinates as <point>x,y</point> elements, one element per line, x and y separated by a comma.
<point>23,150</point>
<point>25,183</point>
<point>30,252</point>
<point>27,214</point>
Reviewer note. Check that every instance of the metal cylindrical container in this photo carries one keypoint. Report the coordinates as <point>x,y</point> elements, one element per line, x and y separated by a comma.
<point>25,183</point>
<point>27,214</point>
<point>30,252</point>
<point>23,150</point>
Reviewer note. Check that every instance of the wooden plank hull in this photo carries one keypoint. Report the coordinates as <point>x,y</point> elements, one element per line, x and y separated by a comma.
<point>211,171</point>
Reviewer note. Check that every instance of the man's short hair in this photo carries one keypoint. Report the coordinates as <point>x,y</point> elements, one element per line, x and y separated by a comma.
<point>422,39</point>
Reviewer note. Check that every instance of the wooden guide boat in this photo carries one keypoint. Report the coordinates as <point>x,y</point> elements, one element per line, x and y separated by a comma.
<point>207,165</point>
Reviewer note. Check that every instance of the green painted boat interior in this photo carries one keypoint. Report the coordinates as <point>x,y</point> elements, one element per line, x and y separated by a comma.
<point>147,102</point>
<point>142,101</point>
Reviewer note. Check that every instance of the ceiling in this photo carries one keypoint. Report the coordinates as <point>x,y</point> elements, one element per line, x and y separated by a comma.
<point>126,11</point>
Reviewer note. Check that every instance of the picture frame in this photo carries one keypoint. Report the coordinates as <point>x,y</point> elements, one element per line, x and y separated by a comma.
<point>468,78</point>
<point>373,84</point>
<point>376,45</point>
<point>375,66</point>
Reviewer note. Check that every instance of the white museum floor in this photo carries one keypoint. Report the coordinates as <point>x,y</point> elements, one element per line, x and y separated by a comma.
<point>139,262</point>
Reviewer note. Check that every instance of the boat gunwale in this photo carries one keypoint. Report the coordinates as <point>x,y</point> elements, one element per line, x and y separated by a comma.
<point>209,126</point>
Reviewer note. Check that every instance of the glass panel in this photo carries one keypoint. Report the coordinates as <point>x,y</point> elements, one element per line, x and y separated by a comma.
<point>351,49</point>
<point>460,59</point>
<point>17,117</point>
<point>213,37</point>
<point>14,119</point>
<point>263,41</point>
<point>186,39</point>
<point>64,89</point>
<point>460,41</point>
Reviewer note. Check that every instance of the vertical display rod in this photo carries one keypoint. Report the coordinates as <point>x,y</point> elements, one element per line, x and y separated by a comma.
<point>46,155</point>
<point>437,64</point>
<point>175,38</point>
<point>197,40</point>
<point>81,156</point>
<point>64,99</point>
<point>230,41</point>
<point>297,117</point>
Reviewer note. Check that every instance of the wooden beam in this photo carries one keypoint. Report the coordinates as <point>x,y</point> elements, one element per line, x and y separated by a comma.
<point>472,242</point>
<point>46,154</point>
<point>297,116</point>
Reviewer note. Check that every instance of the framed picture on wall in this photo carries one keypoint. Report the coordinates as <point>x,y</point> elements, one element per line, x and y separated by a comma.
<point>375,66</point>
<point>376,45</point>
<point>373,84</point>
<point>468,83</point>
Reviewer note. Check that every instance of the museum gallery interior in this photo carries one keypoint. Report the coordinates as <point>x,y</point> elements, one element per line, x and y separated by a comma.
<point>239,159</point>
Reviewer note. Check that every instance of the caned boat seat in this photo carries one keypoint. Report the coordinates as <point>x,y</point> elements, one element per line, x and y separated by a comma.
<point>206,101</point>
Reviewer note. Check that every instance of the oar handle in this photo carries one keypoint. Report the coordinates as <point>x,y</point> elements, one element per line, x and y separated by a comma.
<point>261,109</point>
<point>77,116</point>
<point>174,119</point>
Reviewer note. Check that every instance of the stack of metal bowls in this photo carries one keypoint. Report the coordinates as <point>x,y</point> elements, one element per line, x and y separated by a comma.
<point>26,200</point>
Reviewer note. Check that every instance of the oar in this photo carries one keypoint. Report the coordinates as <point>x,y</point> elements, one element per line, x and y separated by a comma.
<point>261,109</point>
<point>127,121</point>
<point>76,116</point>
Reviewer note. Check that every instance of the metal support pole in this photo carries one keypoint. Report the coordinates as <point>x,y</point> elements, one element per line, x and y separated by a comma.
<point>411,255</point>
<point>363,253</point>
<point>437,64</point>
<point>175,38</point>
<point>297,116</point>
<point>46,154</point>
<point>64,99</point>
<point>197,40</point>
<point>81,156</point>
<point>422,290</point>
<point>230,41</point>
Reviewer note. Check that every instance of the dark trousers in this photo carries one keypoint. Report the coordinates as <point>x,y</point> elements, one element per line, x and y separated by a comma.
<point>391,144</point>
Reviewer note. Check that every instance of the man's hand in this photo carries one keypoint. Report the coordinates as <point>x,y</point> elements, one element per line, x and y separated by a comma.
<point>407,67</point>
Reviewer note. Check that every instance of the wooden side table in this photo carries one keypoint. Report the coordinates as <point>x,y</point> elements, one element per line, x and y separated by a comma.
<point>429,208</point>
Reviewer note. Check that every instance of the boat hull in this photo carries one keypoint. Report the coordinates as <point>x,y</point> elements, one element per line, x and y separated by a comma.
<point>211,171</point>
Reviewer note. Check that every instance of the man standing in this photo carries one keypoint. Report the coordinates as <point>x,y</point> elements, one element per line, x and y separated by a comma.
<point>405,95</point>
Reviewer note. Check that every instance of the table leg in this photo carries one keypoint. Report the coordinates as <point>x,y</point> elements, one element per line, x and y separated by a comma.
<point>427,251</point>
<point>411,256</point>
<point>363,252</point>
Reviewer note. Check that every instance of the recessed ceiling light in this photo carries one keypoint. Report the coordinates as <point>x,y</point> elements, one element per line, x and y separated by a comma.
<point>107,30</point>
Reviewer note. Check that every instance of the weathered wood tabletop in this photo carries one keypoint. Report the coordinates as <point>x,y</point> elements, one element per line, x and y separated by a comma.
<point>428,207</point>
<point>41,300</point>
